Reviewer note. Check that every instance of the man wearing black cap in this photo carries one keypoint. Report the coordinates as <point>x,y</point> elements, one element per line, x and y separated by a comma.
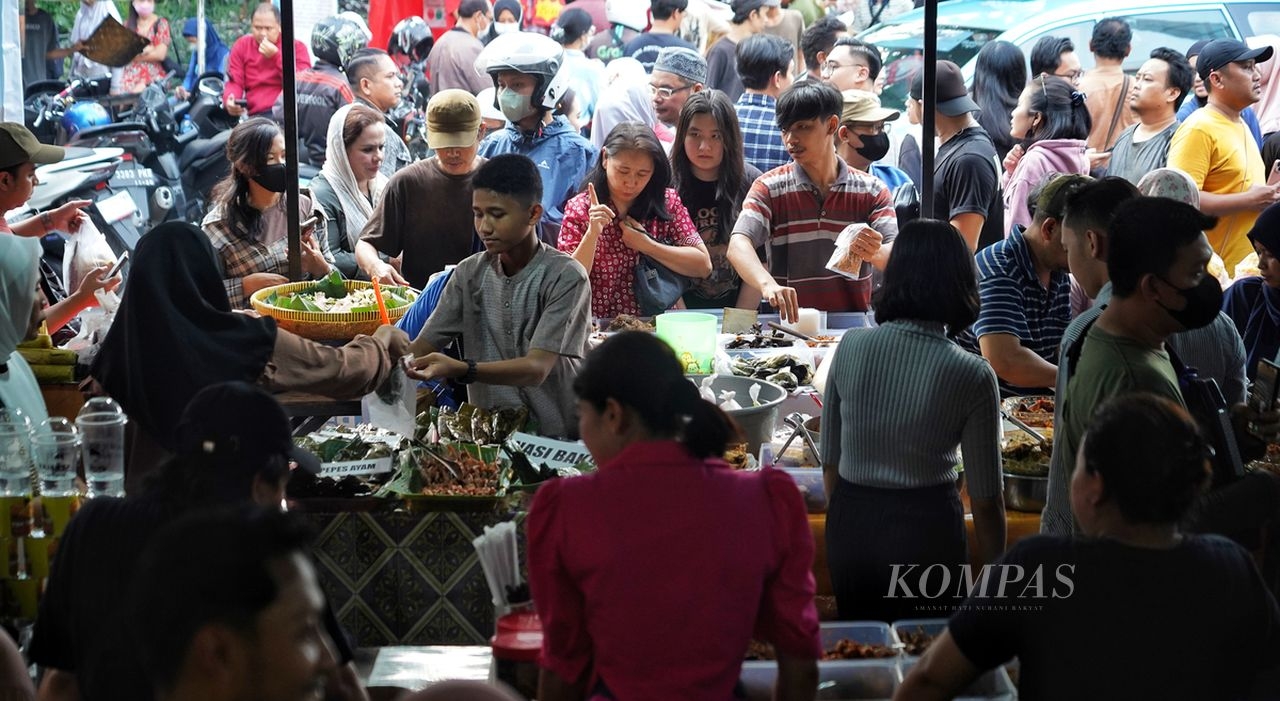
<point>1216,149</point>
<point>234,447</point>
<point>966,189</point>
<point>1200,97</point>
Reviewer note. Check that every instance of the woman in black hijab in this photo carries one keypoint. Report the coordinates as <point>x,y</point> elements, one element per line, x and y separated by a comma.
<point>175,334</point>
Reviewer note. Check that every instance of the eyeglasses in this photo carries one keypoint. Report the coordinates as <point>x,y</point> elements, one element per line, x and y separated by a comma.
<point>831,66</point>
<point>666,93</point>
<point>868,128</point>
<point>1073,76</point>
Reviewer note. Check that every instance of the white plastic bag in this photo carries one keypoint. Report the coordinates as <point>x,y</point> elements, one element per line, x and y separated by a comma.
<point>86,249</point>
<point>846,262</point>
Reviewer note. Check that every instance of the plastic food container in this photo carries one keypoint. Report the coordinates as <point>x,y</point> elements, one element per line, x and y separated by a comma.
<point>929,626</point>
<point>853,679</point>
<point>693,337</point>
<point>863,632</point>
<point>809,481</point>
<point>995,685</point>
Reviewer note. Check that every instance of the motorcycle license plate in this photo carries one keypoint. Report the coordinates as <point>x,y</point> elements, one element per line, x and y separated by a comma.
<point>117,207</point>
<point>133,177</point>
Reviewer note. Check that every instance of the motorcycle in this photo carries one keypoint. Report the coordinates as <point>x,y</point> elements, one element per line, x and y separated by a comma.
<point>54,110</point>
<point>207,111</point>
<point>168,169</point>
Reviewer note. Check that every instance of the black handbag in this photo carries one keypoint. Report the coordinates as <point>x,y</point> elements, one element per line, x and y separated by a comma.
<point>657,286</point>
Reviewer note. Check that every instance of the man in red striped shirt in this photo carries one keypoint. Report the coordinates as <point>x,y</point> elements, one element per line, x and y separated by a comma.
<point>799,210</point>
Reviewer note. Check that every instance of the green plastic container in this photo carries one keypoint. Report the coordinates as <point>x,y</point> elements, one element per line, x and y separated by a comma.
<point>693,337</point>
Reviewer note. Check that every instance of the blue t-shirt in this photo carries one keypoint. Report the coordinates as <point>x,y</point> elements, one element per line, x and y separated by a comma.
<point>891,176</point>
<point>1014,302</point>
<point>413,321</point>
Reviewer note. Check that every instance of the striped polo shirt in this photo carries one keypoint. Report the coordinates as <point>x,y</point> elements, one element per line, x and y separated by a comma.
<point>1015,303</point>
<point>786,214</point>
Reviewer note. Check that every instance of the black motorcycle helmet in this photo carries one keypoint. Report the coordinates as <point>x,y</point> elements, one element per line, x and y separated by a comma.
<point>411,38</point>
<point>335,40</point>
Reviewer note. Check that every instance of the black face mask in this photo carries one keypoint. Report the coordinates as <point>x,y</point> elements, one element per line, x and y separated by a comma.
<point>273,177</point>
<point>873,147</point>
<point>1202,303</point>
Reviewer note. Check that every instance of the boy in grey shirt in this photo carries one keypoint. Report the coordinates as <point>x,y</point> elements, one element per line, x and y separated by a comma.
<point>521,309</point>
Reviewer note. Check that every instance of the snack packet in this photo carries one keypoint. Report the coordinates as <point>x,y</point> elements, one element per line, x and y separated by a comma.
<point>844,261</point>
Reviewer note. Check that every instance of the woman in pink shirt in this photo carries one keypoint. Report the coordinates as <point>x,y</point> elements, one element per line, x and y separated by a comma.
<point>628,209</point>
<point>652,575</point>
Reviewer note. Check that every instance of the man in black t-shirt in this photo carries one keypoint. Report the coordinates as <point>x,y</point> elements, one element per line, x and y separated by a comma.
<point>966,185</point>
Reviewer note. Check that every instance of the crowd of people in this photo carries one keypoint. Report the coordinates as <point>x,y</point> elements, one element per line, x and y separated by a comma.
<point>1084,226</point>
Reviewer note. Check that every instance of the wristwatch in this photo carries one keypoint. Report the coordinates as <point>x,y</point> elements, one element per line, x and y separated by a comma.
<point>470,375</point>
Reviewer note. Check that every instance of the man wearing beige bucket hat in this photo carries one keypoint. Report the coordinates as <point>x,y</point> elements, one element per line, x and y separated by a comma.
<point>424,217</point>
<point>863,137</point>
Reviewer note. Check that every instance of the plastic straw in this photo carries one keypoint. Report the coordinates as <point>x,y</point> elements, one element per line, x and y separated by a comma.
<point>382,306</point>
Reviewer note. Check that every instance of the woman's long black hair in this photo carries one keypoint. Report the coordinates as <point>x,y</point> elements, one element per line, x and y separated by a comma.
<point>998,80</point>
<point>641,372</point>
<point>635,136</point>
<point>731,181</point>
<point>247,150</point>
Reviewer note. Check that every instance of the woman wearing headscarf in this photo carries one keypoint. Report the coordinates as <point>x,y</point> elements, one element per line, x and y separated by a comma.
<point>1268,108</point>
<point>627,99</point>
<point>1253,302</point>
<point>19,275</point>
<point>508,16</point>
<point>215,55</point>
<point>175,334</point>
<point>350,183</point>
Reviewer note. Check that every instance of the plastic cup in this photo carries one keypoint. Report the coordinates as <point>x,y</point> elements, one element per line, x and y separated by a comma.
<point>102,441</point>
<point>57,456</point>
<point>15,458</point>
<point>692,335</point>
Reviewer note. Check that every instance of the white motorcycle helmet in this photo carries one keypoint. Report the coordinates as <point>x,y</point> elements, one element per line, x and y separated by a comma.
<point>533,54</point>
<point>632,14</point>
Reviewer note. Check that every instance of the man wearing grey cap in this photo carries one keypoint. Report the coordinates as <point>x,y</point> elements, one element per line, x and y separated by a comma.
<point>677,74</point>
<point>1215,148</point>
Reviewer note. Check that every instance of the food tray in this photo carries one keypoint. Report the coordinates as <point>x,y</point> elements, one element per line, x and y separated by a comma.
<point>863,632</point>
<point>323,326</point>
<point>853,679</point>
<point>929,626</point>
<point>1016,407</point>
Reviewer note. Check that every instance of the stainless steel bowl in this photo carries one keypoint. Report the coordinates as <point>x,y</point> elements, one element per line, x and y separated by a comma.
<point>1025,493</point>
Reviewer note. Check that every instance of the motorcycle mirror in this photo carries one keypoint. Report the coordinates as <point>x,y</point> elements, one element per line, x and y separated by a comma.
<point>210,87</point>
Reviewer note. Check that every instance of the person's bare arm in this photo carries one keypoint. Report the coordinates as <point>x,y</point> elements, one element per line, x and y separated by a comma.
<point>1255,199</point>
<point>989,528</point>
<point>57,315</point>
<point>940,674</point>
<point>553,687</point>
<point>797,679</point>
<point>690,261</point>
<point>527,371</point>
<point>969,225</point>
<point>58,685</point>
<point>742,256</point>
<point>371,263</point>
<point>1015,363</point>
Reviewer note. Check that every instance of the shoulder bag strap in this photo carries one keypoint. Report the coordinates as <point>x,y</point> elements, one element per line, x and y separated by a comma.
<point>1115,118</point>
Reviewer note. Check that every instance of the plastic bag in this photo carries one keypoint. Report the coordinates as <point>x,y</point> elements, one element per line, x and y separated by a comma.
<point>846,262</point>
<point>86,249</point>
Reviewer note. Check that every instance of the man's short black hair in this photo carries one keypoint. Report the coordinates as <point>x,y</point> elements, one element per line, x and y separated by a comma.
<point>510,174</point>
<point>1046,55</point>
<point>809,99</point>
<point>212,567</point>
<point>1145,235</point>
<point>1092,206</point>
<point>663,9</point>
<point>1181,74</point>
<point>820,37</point>
<point>469,8</point>
<point>1112,38</point>
<point>760,57</point>
<point>268,7</point>
<point>742,9</point>
<point>868,52</point>
<point>363,64</point>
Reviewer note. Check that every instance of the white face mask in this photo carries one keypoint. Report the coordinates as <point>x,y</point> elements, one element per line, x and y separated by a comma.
<point>515,106</point>
<point>505,27</point>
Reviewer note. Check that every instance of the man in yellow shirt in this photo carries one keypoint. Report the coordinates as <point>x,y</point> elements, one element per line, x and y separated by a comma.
<point>1216,148</point>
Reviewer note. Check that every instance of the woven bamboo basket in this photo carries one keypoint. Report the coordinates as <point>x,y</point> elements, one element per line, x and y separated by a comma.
<point>323,326</point>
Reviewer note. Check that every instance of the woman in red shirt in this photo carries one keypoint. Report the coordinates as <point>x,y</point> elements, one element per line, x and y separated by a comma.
<point>652,575</point>
<point>629,208</point>
<point>148,66</point>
